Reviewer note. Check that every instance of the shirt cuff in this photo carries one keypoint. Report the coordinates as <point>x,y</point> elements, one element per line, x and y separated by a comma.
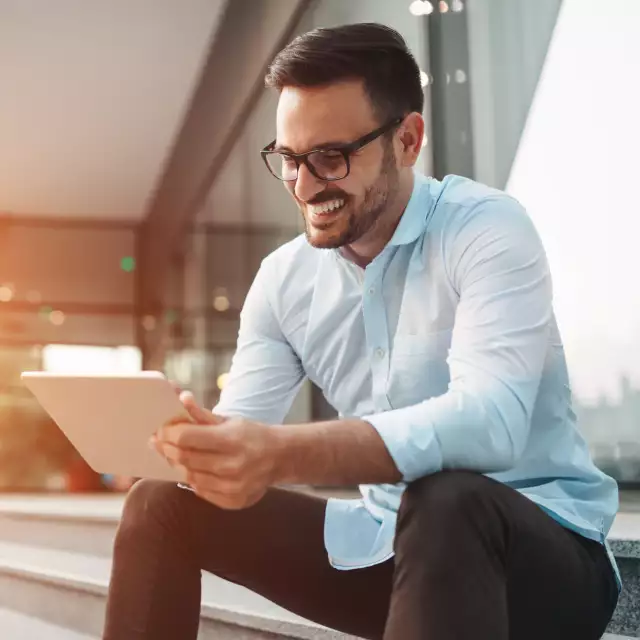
<point>411,441</point>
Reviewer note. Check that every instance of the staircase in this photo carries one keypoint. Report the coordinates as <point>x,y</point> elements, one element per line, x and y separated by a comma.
<point>55,557</point>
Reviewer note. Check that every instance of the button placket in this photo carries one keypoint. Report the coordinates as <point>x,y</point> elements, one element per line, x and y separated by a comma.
<point>377,334</point>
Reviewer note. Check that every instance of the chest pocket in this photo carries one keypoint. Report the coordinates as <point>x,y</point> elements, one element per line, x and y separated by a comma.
<point>418,368</point>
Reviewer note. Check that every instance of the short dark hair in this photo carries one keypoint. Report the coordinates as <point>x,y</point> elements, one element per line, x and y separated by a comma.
<point>372,52</point>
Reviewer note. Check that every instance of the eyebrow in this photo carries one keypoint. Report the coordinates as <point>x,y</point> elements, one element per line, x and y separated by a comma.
<point>332,144</point>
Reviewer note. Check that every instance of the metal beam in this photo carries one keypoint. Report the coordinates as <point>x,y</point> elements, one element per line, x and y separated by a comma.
<point>248,36</point>
<point>451,131</point>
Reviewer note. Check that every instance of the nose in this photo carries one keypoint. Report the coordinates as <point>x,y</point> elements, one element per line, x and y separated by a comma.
<point>307,185</point>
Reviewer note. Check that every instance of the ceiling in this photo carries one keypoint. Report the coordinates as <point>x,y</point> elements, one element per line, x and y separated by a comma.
<point>93,95</point>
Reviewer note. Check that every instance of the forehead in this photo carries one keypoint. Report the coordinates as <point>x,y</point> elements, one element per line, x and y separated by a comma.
<point>310,116</point>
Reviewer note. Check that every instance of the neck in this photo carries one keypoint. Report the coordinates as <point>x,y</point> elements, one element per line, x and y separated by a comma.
<point>363,251</point>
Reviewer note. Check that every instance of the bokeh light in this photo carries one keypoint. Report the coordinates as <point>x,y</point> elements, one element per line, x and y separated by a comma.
<point>57,318</point>
<point>170,316</point>
<point>421,8</point>
<point>221,303</point>
<point>461,76</point>
<point>222,380</point>
<point>149,323</point>
<point>45,312</point>
<point>6,293</point>
<point>128,264</point>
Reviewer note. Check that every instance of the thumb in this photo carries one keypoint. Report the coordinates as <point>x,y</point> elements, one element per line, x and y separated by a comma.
<point>197,413</point>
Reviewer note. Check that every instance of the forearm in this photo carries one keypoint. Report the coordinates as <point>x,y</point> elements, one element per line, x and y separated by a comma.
<point>334,453</point>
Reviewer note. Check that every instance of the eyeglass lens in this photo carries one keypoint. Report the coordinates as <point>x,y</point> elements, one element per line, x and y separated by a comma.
<point>326,165</point>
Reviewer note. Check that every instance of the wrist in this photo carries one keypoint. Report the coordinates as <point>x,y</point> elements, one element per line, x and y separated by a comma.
<point>280,454</point>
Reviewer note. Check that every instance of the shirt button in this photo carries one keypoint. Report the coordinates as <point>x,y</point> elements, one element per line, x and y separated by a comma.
<point>372,290</point>
<point>380,352</point>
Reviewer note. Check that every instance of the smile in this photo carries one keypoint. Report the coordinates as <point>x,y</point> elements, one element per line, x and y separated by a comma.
<point>325,207</point>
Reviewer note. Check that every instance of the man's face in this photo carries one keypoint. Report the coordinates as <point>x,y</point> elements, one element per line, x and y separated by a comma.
<point>339,113</point>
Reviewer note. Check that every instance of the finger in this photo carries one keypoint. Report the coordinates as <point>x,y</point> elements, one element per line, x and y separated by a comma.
<point>203,462</point>
<point>192,407</point>
<point>203,437</point>
<point>235,490</point>
<point>229,502</point>
<point>182,419</point>
<point>160,449</point>
<point>200,415</point>
<point>193,413</point>
<point>154,443</point>
<point>210,482</point>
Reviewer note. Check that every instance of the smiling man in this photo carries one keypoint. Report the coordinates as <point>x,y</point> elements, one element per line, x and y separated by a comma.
<point>423,310</point>
<point>360,210</point>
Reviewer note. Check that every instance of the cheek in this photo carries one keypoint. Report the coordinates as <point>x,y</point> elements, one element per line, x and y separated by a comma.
<point>364,174</point>
<point>351,186</point>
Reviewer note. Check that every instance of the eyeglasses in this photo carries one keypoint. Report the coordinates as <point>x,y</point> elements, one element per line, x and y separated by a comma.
<point>325,164</point>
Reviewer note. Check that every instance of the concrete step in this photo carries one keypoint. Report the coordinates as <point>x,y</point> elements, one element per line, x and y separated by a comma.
<point>87,524</point>
<point>57,595</point>
<point>55,562</point>
<point>68,590</point>
<point>83,524</point>
<point>17,626</point>
<point>625,543</point>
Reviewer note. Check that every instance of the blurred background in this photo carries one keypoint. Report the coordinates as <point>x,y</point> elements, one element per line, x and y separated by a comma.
<point>135,208</point>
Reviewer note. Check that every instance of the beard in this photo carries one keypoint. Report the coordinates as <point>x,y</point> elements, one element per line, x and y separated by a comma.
<point>352,225</point>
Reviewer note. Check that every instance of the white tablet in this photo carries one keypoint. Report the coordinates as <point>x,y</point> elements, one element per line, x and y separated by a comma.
<point>109,419</point>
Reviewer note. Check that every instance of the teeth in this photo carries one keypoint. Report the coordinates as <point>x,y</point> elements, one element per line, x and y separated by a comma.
<point>326,207</point>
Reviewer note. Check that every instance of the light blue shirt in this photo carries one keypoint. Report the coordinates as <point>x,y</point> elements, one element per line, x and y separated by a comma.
<point>446,343</point>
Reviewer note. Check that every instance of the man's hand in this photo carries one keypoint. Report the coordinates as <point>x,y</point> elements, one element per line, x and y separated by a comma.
<point>229,462</point>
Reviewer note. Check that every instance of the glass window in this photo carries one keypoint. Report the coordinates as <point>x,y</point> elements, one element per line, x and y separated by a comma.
<point>81,359</point>
<point>538,99</point>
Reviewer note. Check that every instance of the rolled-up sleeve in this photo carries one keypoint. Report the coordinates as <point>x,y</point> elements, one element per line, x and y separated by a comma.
<point>266,373</point>
<point>497,266</point>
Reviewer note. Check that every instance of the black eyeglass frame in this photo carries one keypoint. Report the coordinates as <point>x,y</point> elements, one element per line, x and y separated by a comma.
<point>346,150</point>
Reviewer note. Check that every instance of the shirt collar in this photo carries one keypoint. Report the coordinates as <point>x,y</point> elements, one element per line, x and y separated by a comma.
<point>412,222</point>
<point>414,219</point>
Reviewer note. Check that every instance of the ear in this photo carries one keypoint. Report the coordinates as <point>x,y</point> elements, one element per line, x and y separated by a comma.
<point>410,136</point>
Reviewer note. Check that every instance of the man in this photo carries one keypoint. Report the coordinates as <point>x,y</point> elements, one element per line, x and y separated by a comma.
<point>423,310</point>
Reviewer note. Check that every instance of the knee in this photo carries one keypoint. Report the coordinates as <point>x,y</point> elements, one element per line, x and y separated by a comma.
<point>458,512</point>
<point>447,496</point>
<point>149,504</point>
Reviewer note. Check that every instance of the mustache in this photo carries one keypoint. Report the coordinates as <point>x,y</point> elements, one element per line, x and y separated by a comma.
<point>328,197</point>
